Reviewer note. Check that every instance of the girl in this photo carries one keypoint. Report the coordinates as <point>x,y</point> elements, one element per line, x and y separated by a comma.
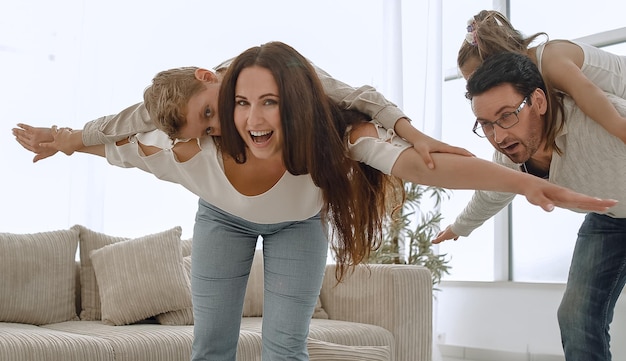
<point>581,71</point>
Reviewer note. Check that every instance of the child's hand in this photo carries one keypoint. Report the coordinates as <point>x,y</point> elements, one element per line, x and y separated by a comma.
<point>32,138</point>
<point>65,140</point>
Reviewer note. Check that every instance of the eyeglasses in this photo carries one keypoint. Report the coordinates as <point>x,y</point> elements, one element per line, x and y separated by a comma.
<point>506,121</point>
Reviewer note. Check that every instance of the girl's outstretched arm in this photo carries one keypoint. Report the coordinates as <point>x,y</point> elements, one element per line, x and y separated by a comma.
<point>458,172</point>
<point>561,66</point>
<point>455,171</point>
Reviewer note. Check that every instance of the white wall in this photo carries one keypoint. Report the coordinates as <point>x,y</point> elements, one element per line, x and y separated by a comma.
<point>507,316</point>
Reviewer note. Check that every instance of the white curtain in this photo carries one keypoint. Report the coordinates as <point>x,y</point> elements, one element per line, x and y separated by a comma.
<point>72,61</point>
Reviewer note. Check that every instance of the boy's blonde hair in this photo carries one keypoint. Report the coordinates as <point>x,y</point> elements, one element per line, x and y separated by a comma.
<point>489,33</point>
<point>167,98</point>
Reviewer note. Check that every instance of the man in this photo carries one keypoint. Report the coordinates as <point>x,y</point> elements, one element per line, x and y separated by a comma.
<point>545,134</point>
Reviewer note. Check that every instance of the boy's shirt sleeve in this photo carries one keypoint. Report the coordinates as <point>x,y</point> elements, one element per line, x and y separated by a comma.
<point>364,99</point>
<point>135,119</point>
<point>111,128</point>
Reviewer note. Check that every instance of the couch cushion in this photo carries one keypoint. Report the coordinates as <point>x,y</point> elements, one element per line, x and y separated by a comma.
<point>154,342</point>
<point>88,241</point>
<point>343,333</point>
<point>138,342</point>
<point>141,278</point>
<point>181,317</point>
<point>38,282</point>
<point>351,334</point>
<point>185,245</point>
<point>90,297</point>
<point>27,342</point>
<point>328,351</point>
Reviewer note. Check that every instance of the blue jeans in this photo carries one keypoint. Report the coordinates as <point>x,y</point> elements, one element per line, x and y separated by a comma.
<point>596,279</point>
<point>294,256</point>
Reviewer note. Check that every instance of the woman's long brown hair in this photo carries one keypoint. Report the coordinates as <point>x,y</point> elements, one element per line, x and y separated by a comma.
<point>314,130</point>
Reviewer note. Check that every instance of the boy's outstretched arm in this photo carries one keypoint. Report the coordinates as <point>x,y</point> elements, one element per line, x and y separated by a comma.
<point>561,66</point>
<point>369,101</point>
<point>46,142</point>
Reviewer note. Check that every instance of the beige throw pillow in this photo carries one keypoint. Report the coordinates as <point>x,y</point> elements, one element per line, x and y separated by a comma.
<point>89,241</point>
<point>186,247</point>
<point>180,317</point>
<point>90,297</point>
<point>38,277</point>
<point>141,278</point>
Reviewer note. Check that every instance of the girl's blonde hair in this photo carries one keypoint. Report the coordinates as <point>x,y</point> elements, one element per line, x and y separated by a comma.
<point>490,32</point>
<point>167,98</point>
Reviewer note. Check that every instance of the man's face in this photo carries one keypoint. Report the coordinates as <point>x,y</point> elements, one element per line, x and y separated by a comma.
<point>521,141</point>
<point>202,113</point>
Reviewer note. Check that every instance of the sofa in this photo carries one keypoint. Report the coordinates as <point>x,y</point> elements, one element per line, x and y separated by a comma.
<point>80,295</point>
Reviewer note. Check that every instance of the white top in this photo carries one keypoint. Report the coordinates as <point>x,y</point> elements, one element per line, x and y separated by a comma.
<point>593,163</point>
<point>606,70</point>
<point>292,198</point>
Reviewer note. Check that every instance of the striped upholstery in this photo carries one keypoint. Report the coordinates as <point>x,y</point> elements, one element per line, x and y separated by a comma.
<point>395,297</point>
<point>326,351</point>
<point>40,288</point>
<point>91,241</point>
<point>380,312</point>
<point>182,317</point>
<point>21,342</point>
<point>136,342</point>
<point>141,278</point>
<point>345,340</point>
<point>152,342</point>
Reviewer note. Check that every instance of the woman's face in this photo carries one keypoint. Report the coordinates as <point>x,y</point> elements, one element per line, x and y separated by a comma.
<point>202,116</point>
<point>257,112</point>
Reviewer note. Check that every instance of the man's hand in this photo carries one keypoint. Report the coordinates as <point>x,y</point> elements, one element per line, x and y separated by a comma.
<point>445,235</point>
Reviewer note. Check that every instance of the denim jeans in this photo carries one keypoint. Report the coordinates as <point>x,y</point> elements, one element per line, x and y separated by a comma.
<point>596,279</point>
<point>294,256</point>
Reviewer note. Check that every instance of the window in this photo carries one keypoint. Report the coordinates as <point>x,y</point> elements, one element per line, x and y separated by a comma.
<point>471,258</point>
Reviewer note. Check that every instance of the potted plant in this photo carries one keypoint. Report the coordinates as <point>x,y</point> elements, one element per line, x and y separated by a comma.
<point>408,232</point>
